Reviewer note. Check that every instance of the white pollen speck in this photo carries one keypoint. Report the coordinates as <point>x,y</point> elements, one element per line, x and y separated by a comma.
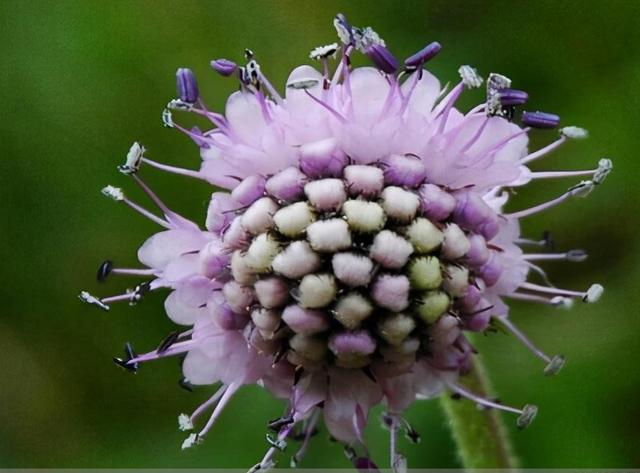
<point>190,441</point>
<point>329,235</point>
<point>134,157</point>
<point>322,52</point>
<point>605,166</point>
<point>594,293</point>
<point>363,216</point>
<point>470,77</point>
<point>112,192</point>
<point>400,204</point>
<point>184,422</point>
<point>574,132</point>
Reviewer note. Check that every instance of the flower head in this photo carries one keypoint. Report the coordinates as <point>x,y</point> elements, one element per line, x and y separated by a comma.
<point>361,234</point>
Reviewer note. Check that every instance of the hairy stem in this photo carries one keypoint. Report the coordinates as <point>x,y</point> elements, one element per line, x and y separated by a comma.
<point>480,435</point>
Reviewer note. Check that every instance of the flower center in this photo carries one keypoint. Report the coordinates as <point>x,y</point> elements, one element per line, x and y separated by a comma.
<point>349,264</point>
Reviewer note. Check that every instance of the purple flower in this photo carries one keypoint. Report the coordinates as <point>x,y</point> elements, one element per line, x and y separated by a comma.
<point>361,234</point>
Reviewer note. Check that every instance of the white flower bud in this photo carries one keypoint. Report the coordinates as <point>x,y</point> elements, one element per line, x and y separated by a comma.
<point>293,219</point>
<point>261,252</point>
<point>240,270</point>
<point>390,249</point>
<point>316,290</point>
<point>425,273</point>
<point>456,280</point>
<point>329,235</point>
<point>352,269</point>
<point>363,216</point>
<point>296,260</point>
<point>424,235</point>
<point>395,328</point>
<point>326,194</point>
<point>455,243</point>
<point>400,204</point>
<point>308,346</point>
<point>432,305</point>
<point>352,309</point>
<point>258,218</point>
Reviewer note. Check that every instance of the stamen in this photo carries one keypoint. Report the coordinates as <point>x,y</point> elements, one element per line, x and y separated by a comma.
<point>87,298</point>
<point>540,120</point>
<point>134,157</point>
<point>332,110</point>
<point>116,194</point>
<point>543,151</point>
<point>309,430</point>
<point>554,365</point>
<point>575,256</point>
<point>470,77</point>
<point>526,414</point>
<point>224,67</point>
<point>424,55</point>
<point>186,85</point>
<point>207,404</point>
<point>592,294</point>
<point>557,301</point>
<point>324,52</point>
<point>574,132</point>
<point>173,169</point>
<point>496,83</point>
<point>580,190</point>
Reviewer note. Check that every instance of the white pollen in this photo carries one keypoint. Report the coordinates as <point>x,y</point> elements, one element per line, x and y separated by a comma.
<point>574,132</point>
<point>424,235</point>
<point>364,180</point>
<point>134,157</point>
<point>296,260</point>
<point>363,216</point>
<point>326,194</point>
<point>258,218</point>
<point>470,77</point>
<point>605,166</point>
<point>456,244</point>
<point>91,299</point>
<point>329,235</point>
<point>190,441</point>
<point>456,280</point>
<point>352,309</point>
<point>352,269</point>
<point>400,204</point>
<point>594,293</point>
<point>112,192</point>
<point>316,290</point>
<point>562,302</point>
<point>184,422</point>
<point>293,219</point>
<point>261,252</point>
<point>322,52</point>
<point>390,249</point>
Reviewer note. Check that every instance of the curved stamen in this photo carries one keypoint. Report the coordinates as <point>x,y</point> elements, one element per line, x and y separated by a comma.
<point>224,400</point>
<point>575,256</point>
<point>481,400</point>
<point>590,295</point>
<point>308,434</point>
<point>579,190</point>
<point>174,170</point>
<point>333,111</point>
<point>543,151</point>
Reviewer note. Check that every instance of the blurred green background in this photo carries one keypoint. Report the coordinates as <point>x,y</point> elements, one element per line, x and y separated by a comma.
<point>81,80</point>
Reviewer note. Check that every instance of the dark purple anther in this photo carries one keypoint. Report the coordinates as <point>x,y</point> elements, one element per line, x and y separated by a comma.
<point>540,119</point>
<point>104,270</point>
<point>513,97</point>
<point>422,56</point>
<point>403,170</point>
<point>186,85</point>
<point>224,67</point>
<point>382,58</point>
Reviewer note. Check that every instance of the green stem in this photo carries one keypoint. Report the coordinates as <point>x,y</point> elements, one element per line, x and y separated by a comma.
<point>480,435</point>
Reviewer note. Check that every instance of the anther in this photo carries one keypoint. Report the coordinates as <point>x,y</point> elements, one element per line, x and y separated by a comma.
<point>605,166</point>
<point>510,97</point>
<point>382,58</point>
<point>89,299</point>
<point>555,365</point>
<point>470,77</point>
<point>186,85</point>
<point>425,54</point>
<point>167,118</point>
<point>224,67</point>
<point>343,28</point>
<point>574,132</point>
<point>593,294</point>
<point>279,423</point>
<point>184,422</point>
<point>190,441</point>
<point>134,159</point>
<point>112,192</point>
<point>540,119</point>
<point>185,384</point>
<point>528,415</point>
<point>324,52</point>
<point>104,270</point>
<point>166,343</point>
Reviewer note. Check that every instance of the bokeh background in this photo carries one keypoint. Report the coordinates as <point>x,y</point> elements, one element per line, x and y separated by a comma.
<point>83,79</point>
